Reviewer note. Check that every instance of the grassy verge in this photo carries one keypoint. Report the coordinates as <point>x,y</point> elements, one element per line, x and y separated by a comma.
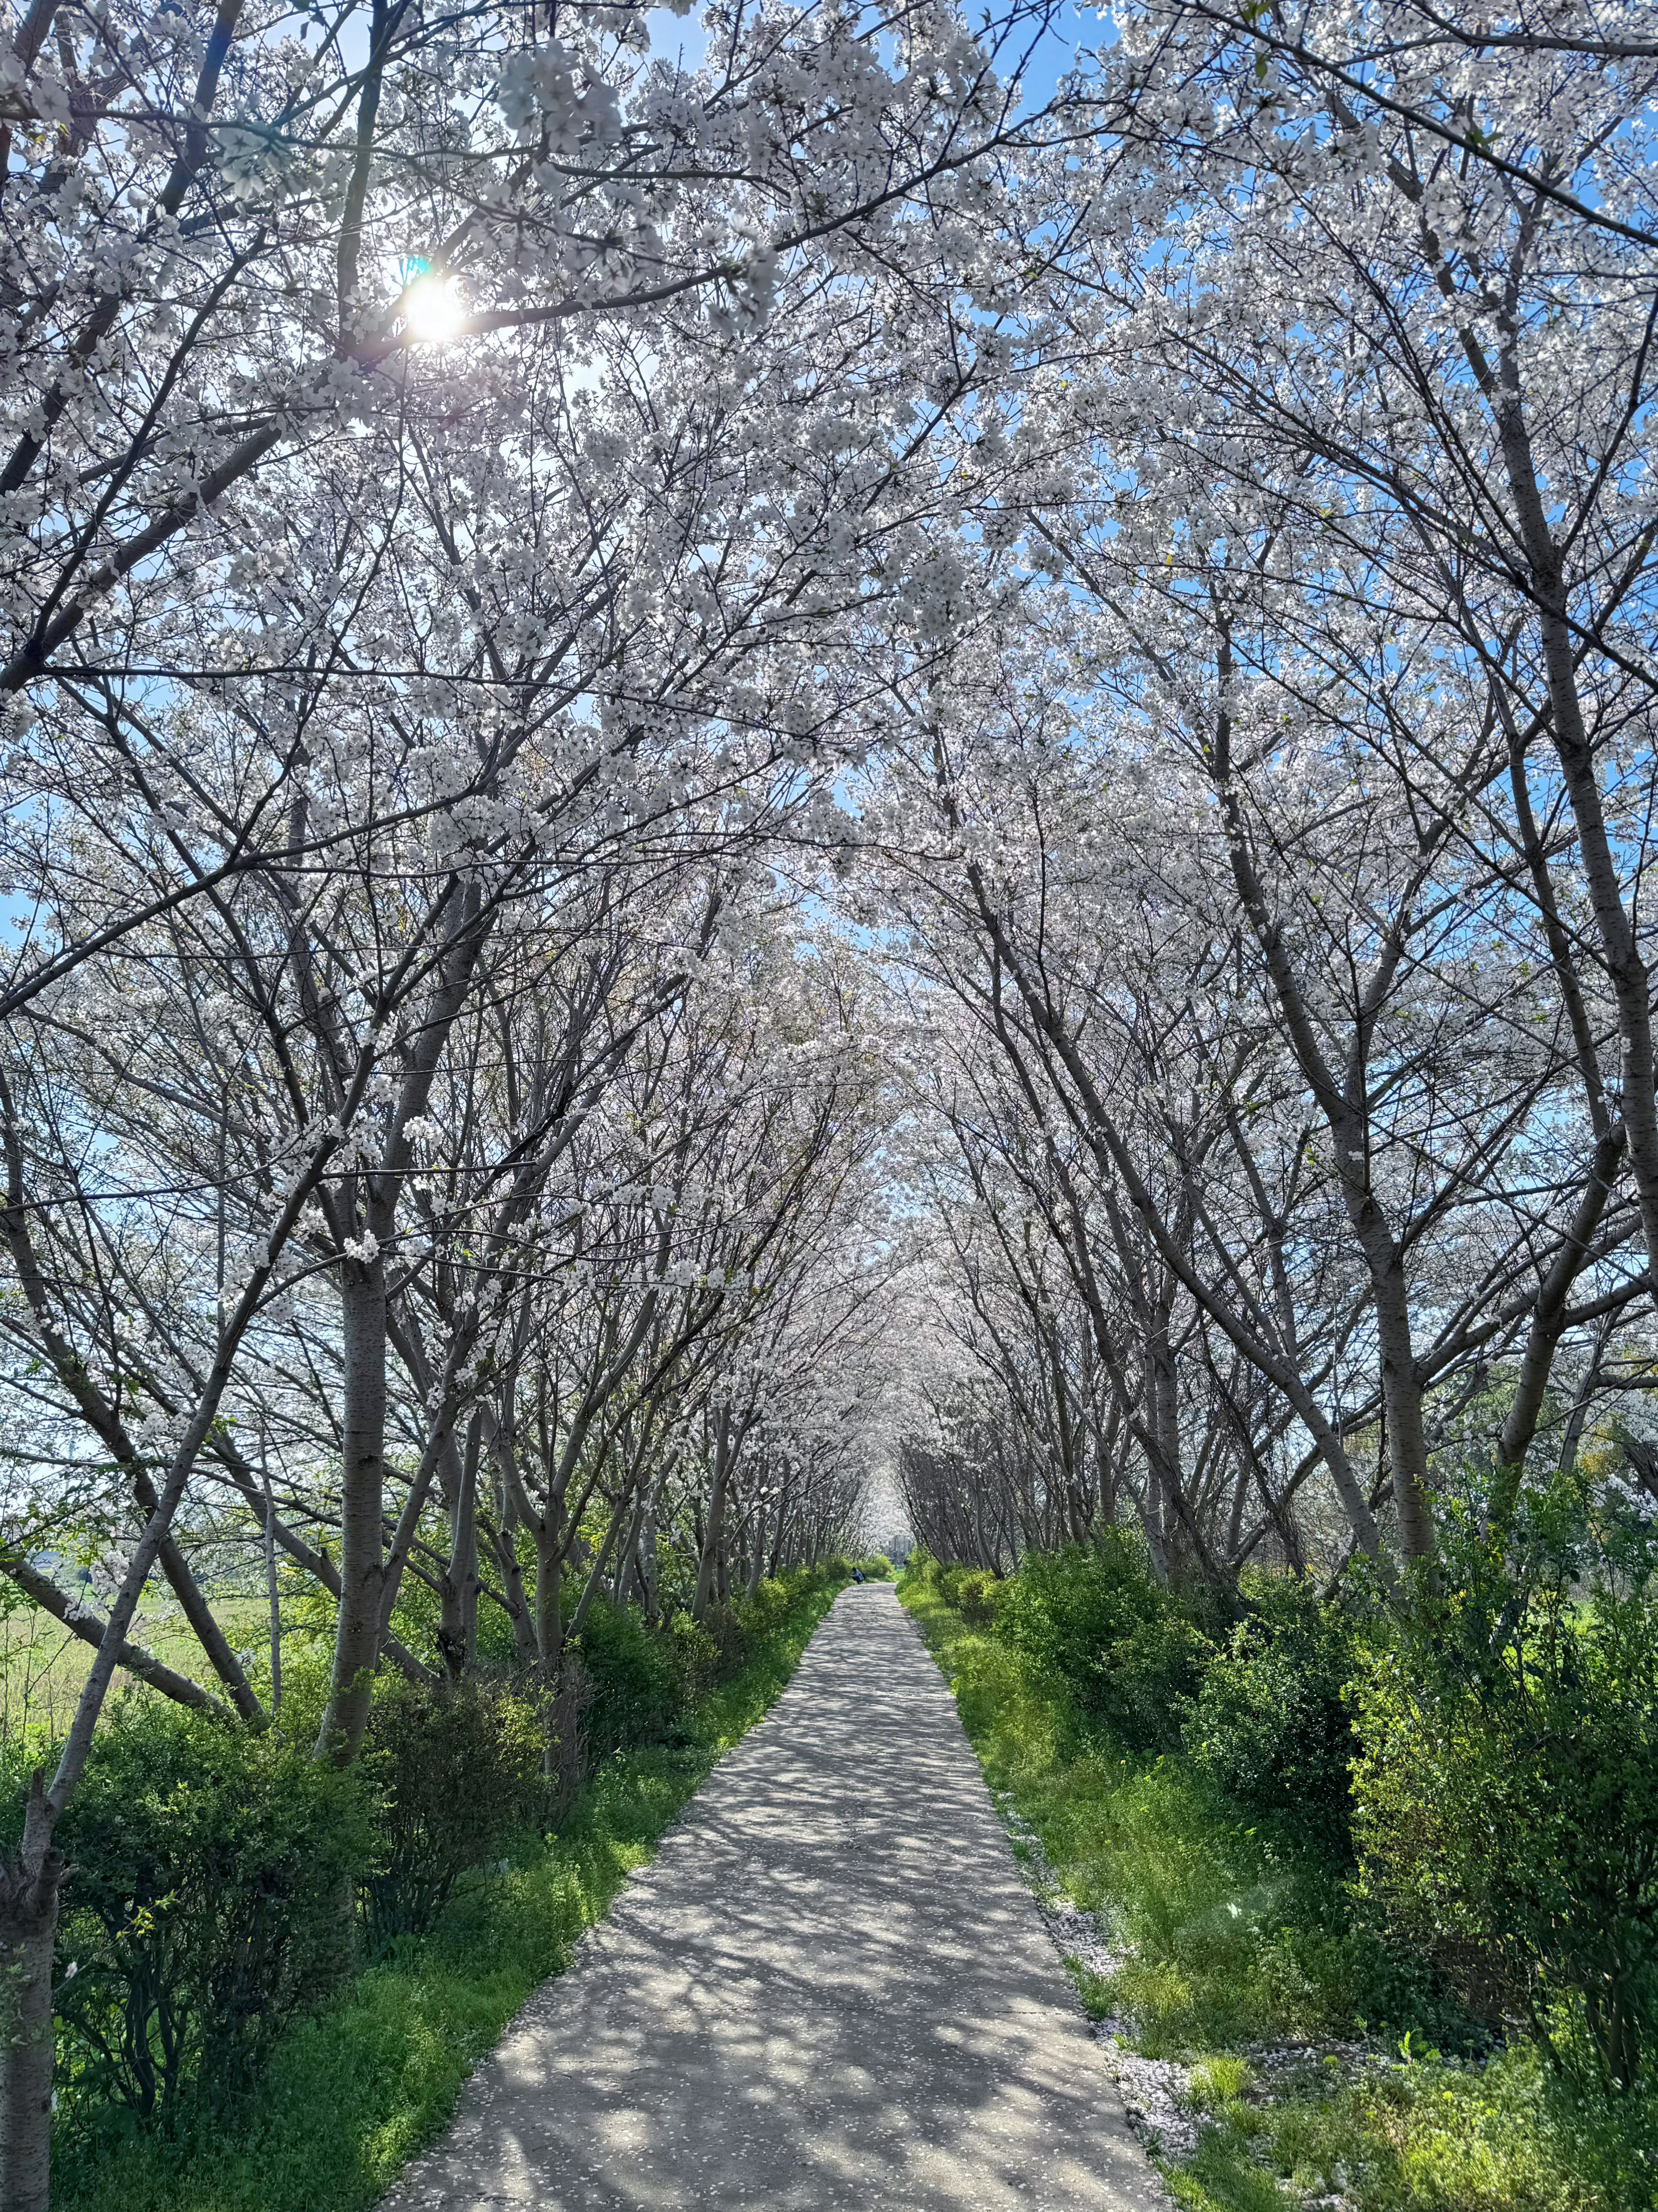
<point>1231,1939</point>
<point>355,2091</point>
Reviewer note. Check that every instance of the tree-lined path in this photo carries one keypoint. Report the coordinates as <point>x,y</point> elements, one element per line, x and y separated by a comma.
<point>831,1988</point>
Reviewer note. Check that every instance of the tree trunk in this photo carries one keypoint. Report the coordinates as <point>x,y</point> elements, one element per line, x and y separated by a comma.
<point>713,1539</point>
<point>458,1624</point>
<point>646,1563</point>
<point>1106,1467</point>
<point>601,1561</point>
<point>549,1589</point>
<point>1401,1386</point>
<point>505,1554</point>
<point>1152,1521</point>
<point>1548,1325</point>
<point>362,1562</point>
<point>30,1883</point>
<point>756,1551</point>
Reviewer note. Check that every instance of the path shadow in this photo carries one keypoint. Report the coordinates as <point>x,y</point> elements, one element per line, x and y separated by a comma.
<point>830,1988</point>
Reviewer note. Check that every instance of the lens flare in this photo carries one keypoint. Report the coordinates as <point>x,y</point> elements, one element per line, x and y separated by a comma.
<point>433,309</point>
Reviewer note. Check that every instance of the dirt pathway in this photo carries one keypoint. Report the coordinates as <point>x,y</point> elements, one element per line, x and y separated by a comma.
<point>830,1988</point>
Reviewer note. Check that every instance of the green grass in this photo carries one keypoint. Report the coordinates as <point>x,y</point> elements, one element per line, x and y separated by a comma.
<point>1234,1940</point>
<point>43,1668</point>
<point>1239,1937</point>
<point>1427,2137</point>
<point>355,2091</point>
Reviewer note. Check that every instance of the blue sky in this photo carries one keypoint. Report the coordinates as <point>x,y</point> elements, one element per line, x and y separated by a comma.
<point>1074,26</point>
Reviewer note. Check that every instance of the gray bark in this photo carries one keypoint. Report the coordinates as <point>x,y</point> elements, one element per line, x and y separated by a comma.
<point>713,1539</point>
<point>362,1505</point>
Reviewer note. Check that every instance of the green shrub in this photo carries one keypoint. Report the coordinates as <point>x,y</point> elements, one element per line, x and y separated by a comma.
<point>457,1773</point>
<point>1506,1787</point>
<point>733,1629</point>
<point>207,1906</point>
<point>696,1655</point>
<point>722,1625</point>
<point>1100,1618</point>
<point>974,1592</point>
<point>1221,1935</point>
<point>758,1615</point>
<point>1269,1722</point>
<point>638,1690</point>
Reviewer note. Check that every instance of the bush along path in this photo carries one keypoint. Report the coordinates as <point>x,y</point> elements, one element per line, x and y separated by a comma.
<point>830,1993</point>
<point>202,1858</point>
<point>1178,1787</point>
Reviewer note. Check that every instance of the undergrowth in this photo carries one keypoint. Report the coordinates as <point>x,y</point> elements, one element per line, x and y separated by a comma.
<point>1235,1936</point>
<point>359,2087</point>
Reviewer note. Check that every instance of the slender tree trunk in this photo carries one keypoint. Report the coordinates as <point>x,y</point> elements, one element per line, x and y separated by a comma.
<point>621,1582</point>
<point>198,1612</point>
<point>648,1573</point>
<point>549,1591</point>
<point>1108,1465</point>
<point>733,1557</point>
<point>458,1627</point>
<point>1577,1420</point>
<point>504,1552</point>
<point>1401,1385</point>
<point>272,1592</point>
<point>1548,1324</point>
<point>1235,1520</point>
<point>362,1563</point>
<point>756,1551</point>
<point>596,1573</point>
<point>713,1539</point>
<point>1631,982</point>
<point>1152,1521</point>
<point>1165,1428</point>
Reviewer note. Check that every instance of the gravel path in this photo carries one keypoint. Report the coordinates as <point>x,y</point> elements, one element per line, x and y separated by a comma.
<point>829,1989</point>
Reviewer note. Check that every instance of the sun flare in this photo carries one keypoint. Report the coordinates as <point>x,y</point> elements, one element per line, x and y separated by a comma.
<point>434,309</point>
